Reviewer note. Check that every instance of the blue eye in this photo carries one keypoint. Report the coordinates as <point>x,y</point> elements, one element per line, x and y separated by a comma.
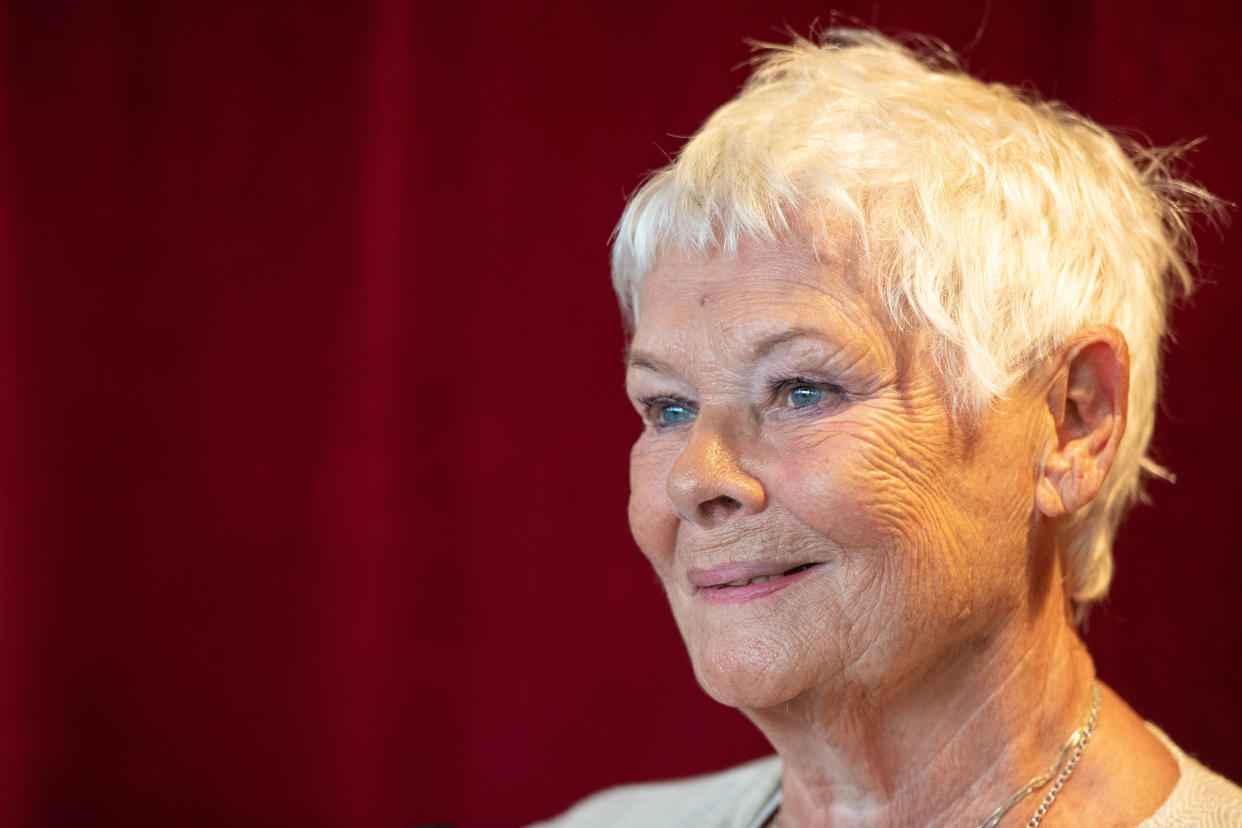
<point>803,395</point>
<point>671,413</point>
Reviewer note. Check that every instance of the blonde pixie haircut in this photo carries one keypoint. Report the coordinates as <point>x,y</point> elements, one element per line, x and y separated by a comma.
<point>1000,223</point>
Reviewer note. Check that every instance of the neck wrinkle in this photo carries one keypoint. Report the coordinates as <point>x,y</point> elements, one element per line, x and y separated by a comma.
<point>893,762</point>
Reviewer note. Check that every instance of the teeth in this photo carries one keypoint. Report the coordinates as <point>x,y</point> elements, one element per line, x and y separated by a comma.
<point>762,578</point>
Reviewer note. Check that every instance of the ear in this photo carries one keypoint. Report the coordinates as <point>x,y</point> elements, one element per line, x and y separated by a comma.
<point>1087,403</point>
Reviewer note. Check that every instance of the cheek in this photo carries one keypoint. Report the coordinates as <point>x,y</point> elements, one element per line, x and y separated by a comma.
<point>652,520</point>
<point>875,491</point>
<point>864,483</point>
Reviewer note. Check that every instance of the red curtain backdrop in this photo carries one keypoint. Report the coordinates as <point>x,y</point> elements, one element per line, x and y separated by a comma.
<point>312,440</point>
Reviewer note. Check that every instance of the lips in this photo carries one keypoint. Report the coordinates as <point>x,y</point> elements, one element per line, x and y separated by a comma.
<point>745,582</point>
<point>760,579</point>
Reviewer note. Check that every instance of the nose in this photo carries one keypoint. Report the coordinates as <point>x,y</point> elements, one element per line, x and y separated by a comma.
<point>708,484</point>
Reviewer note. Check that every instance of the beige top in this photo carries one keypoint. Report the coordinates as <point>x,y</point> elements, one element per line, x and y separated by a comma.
<point>736,798</point>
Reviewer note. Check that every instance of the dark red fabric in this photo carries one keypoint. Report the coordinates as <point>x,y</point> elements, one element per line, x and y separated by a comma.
<point>312,439</point>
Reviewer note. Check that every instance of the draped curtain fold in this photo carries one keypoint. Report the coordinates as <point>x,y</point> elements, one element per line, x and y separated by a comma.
<point>312,440</point>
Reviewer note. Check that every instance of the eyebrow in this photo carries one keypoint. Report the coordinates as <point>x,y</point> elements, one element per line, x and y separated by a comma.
<point>761,349</point>
<point>768,344</point>
<point>646,361</point>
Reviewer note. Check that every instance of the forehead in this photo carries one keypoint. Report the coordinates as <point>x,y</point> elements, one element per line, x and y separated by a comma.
<point>764,289</point>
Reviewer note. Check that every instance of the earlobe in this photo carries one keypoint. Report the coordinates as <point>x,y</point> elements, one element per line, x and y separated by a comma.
<point>1087,403</point>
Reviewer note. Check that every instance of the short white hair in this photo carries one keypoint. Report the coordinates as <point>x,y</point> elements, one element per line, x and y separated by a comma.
<point>1001,223</point>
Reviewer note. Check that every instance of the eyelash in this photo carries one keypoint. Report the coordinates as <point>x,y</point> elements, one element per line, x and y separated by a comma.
<point>654,406</point>
<point>777,388</point>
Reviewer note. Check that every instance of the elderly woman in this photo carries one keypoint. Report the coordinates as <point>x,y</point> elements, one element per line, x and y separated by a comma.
<point>895,338</point>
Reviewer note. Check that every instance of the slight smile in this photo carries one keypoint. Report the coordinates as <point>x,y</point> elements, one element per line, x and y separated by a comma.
<point>735,584</point>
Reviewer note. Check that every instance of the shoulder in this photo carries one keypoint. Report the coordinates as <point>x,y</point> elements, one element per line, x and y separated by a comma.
<point>1201,799</point>
<point>728,799</point>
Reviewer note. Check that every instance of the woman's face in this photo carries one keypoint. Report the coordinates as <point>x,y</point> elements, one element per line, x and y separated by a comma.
<point>820,519</point>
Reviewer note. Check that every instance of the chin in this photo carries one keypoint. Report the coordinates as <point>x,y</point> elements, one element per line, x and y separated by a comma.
<point>750,673</point>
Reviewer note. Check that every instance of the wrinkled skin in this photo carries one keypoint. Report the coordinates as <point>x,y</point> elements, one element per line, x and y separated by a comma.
<point>918,519</point>
<point>915,660</point>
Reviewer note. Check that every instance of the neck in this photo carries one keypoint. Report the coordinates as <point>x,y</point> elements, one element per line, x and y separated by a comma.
<point>942,748</point>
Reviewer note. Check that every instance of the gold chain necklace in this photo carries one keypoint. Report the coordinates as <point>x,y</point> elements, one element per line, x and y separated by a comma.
<point>1067,760</point>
